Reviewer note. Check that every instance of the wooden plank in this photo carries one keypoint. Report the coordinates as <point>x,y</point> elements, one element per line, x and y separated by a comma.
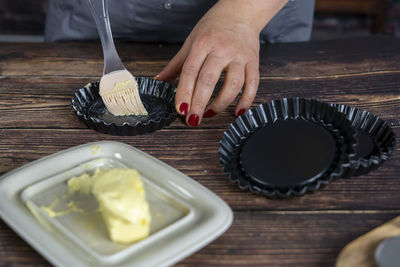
<point>264,239</point>
<point>45,102</point>
<point>255,238</point>
<point>322,58</point>
<point>195,154</point>
<point>86,50</point>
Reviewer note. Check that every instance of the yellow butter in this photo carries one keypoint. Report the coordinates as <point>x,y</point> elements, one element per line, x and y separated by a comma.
<point>122,201</point>
<point>50,210</point>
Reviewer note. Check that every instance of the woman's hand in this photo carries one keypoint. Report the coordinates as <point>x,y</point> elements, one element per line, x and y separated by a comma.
<point>215,45</point>
<point>223,40</point>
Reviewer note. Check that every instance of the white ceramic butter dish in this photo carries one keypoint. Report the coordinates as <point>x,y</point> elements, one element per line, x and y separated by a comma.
<point>185,215</point>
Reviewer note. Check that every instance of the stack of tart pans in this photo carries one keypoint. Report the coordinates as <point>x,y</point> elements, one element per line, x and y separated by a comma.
<point>292,146</point>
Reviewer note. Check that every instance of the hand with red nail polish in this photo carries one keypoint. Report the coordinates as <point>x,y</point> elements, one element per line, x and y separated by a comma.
<point>226,39</point>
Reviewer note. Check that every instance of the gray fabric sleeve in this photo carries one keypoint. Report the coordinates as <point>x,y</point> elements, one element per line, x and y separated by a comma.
<point>293,23</point>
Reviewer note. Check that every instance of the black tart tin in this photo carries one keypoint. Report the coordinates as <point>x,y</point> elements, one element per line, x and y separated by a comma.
<point>288,147</point>
<point>157,97</point>
<point>375,139</point>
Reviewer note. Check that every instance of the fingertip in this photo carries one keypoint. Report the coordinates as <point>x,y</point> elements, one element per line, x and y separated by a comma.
<point>241,112</point>
<point>193,120</point>
<point>250,89</point>
<point>182,108</point>
<point>209,113</point>
<point>167,75</point>
<point>233,82</point>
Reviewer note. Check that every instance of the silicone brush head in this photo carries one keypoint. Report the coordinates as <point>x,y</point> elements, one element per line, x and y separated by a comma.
<point>120,94</point>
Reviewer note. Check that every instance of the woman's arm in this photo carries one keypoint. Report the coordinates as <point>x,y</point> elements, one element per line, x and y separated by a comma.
<point>225,39</point>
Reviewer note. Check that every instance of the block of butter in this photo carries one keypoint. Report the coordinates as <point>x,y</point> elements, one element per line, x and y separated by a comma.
<point>122,201</point>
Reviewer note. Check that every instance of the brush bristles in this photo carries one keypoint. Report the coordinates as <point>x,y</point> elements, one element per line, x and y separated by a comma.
<point>124,100</point>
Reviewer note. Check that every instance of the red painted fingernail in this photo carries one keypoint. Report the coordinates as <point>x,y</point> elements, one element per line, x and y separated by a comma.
<point>209,113</point>
<point>241,112</point>
<point>183,108</point>
<point>193,120</point>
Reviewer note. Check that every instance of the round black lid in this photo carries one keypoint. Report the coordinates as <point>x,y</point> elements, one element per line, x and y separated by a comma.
<point>287,153</point>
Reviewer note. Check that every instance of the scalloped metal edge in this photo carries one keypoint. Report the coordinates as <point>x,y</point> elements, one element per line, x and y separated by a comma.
<point>288,108</point>
<point>375,127</point>
<point>87,94</point>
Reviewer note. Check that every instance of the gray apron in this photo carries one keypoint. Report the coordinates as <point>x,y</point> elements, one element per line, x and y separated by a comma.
<point>167,21</point>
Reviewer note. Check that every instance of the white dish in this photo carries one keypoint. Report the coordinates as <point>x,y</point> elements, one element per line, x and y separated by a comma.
<point>186,215</point>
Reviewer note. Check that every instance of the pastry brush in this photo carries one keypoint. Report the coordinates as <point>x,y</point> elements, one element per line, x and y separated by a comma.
<point>118,87</point>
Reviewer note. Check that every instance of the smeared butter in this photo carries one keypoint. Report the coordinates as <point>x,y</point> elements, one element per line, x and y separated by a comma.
<point>95,149</point>
<point>122,201</point>
<point>50,210</point>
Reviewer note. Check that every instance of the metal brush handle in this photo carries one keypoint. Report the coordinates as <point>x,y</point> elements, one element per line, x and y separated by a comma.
<point>99,9</point>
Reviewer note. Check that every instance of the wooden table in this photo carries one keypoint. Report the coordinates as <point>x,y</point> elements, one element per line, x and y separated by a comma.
<point>36,119</point>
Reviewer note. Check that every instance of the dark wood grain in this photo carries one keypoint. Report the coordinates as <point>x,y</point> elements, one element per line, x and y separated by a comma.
<point>322,59</point>
<point>257,238</point>
<point>46,102</point>
<point>36,120</point>
<point>286,239</point>
<point>195,154</point>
